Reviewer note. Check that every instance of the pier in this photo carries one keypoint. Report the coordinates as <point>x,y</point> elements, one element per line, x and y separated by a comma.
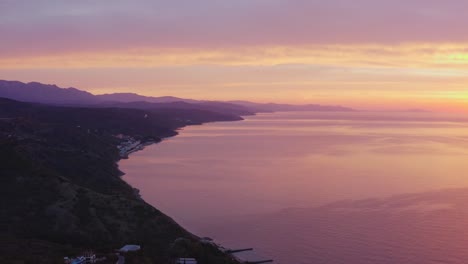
<point>233,251</point>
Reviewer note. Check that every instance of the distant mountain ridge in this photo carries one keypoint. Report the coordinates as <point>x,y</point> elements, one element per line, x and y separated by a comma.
<point>51,94</point>
<point>133,97</point>
<point>35,92</point>
<point>225,108</point>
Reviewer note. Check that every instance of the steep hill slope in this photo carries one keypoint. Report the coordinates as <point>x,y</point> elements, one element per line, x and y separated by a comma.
<point>61,190</point>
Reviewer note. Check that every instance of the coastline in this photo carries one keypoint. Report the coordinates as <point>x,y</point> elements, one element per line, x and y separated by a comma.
<point>63,184</point>
<point>138,147</point>
<point>203,240</point>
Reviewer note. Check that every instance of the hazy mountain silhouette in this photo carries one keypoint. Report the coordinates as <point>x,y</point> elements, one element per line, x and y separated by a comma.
<point>133,97</point>
<point>51,94</point>
<point>44,93</point>
<point>220,107</point>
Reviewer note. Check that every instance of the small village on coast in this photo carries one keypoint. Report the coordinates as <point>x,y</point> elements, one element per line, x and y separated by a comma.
<point>119,255</point>
<point>129,144</point>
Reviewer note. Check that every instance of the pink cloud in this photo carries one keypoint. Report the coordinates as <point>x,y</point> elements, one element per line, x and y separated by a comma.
<point>47,26</point>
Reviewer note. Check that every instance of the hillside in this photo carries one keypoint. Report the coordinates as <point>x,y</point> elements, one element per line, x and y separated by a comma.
<point>61,190</point>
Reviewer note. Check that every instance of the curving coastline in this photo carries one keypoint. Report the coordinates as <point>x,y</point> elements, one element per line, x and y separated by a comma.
<point>204,240</point>
<point>64,191</point>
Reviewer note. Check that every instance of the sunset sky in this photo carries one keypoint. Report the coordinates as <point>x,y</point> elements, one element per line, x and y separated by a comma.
<point>368,54</point>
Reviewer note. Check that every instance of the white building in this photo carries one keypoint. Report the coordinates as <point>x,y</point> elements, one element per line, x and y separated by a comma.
<point>186,261</point>
<point>130,248</point>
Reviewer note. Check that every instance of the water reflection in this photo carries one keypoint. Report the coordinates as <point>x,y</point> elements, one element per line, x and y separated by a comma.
<point>422,228</point>
<point>245,174</point>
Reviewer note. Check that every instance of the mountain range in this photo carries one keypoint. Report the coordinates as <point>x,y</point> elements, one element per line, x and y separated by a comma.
<point>51,94</point>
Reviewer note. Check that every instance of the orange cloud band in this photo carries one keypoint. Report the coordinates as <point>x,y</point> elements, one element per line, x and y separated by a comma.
<point>438,56</point>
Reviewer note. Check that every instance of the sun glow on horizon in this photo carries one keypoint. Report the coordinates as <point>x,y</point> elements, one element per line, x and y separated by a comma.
<point>162,48</point>
<point>362,76</point>
<point>440,57</point>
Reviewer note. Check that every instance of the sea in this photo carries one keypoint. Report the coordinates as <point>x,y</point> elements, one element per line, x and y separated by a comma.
<point>317,187</point>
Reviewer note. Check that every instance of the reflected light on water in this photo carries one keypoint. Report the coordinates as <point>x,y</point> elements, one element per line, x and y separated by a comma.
<point>274,182</point>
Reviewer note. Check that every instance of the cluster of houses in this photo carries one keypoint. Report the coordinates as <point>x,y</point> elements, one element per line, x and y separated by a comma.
<point>128,145</point>
<point>87,258</point>
<point>186,261</point>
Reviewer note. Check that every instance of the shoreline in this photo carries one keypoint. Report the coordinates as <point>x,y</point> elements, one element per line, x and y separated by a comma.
<point>64,188</point>
<point>204,240</point>
<point>139,147</point>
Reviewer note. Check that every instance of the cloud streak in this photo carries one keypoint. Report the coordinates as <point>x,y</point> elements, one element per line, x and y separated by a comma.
<point>449,57</point>
<point>89,25</point>
<point>362,53</point>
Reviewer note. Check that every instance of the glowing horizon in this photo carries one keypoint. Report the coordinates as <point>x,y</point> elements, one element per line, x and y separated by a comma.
<point>365,54</point>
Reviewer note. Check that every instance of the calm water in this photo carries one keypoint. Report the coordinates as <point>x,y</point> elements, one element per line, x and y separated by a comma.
<point>318,187</point>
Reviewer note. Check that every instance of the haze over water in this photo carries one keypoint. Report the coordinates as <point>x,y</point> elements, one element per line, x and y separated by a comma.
<point>302,187</point>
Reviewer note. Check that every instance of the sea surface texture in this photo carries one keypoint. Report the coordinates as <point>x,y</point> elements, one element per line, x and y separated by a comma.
<point>302,187</point>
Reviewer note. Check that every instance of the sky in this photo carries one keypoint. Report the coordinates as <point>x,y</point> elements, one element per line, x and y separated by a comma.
<point>367,54</point>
